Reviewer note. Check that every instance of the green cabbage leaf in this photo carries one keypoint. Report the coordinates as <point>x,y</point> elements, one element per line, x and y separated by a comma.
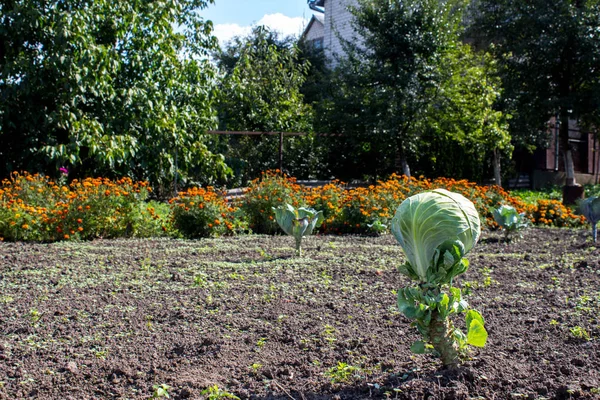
<point>436,229</point>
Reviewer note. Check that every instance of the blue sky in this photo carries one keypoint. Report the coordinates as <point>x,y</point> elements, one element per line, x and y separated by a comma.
<point>236,17</point>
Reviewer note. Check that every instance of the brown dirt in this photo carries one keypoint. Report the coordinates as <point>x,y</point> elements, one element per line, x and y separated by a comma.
<point>110,319</point>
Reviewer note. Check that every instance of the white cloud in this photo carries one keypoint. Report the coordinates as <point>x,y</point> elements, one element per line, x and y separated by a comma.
<point>278,22</point>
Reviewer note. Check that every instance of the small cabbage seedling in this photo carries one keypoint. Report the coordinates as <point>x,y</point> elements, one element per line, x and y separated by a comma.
<point>377,227</point>
<point>590,208</point>
<point>298,222</point>
<point>509,220</point>
<point>436,229</point>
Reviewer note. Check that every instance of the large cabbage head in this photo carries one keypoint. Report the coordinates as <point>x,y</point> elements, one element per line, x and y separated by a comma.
<point>436,229</point>
<point>590,207</point>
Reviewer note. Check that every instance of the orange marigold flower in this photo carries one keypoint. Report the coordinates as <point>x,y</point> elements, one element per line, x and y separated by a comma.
<point>79,220</point>
<point>25,226</point>
<point>66,236</point>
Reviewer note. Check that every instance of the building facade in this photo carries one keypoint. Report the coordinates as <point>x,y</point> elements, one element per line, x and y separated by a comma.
<point>331,21</point>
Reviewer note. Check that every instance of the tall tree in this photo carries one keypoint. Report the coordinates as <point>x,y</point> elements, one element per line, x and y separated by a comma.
<point>397,59</point>
<point>466,107</point>
<point>112,87</point>
<point>550,56</point>
<point>261,86</point>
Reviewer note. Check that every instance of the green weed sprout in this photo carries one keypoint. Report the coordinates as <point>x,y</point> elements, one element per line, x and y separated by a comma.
<point>590,208</point>
<point>509,220</point>
<point>298,222</point>
<point>436,229</point>
<point>377,227</point>
<point>160,391</point>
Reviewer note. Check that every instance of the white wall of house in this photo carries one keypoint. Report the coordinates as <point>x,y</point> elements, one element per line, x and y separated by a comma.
<point>337,23</point>
<point>316,30</point>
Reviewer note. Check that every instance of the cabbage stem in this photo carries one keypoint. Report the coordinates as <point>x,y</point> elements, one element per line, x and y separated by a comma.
<point>440,334</point>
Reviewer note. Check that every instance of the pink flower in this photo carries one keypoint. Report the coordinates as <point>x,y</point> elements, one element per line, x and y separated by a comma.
<point>64,171</point>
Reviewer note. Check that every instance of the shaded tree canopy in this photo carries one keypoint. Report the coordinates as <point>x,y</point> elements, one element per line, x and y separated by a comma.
<point>107,87</point>
<point>549,51</point>
<point>262,79</point>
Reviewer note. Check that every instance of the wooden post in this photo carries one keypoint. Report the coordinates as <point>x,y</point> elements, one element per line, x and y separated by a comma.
<point>281,151</point>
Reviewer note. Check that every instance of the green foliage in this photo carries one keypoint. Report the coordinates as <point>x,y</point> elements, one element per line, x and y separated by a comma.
<point>436,229</point>
<point>272,190</point>
<point>465,112</point>
<point>394,72</point>
<point>342,372</point>
<point>215,393</point>
<point>202,212</point>
<point>510,220</point>
<point>261,93</point>
<point>377,227</point>
<point>160,391</point>
<point>109,88</point>
<point>548,53</point>
<point>298,222</point>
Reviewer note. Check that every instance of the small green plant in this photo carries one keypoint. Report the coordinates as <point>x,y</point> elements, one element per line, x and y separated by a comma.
<point>256,367</point>
<point>215,393</point>
<point>590,208</point>
<point>34,316</point>
<point>377,227</point>
<point>341,373</point>
<point>201,280</point>
<point>579,333</point>
<point>260,343</point>
<point>436,229</point>
<point>298,222</point>
<point>161,390</point>
<point>510,220</point>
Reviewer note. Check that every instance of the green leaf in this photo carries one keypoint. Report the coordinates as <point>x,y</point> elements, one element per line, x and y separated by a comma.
<point>418,347</point>
<point>406,304</point>
<point>476,333</point>
<point>474,315</point>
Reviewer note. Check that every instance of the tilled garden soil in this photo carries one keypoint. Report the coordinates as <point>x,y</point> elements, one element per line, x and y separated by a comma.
<point>116,319</point>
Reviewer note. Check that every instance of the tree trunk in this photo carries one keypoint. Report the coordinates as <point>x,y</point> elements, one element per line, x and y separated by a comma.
<point>497,175</point>
<point>401,162</point>
<point>566,148</point>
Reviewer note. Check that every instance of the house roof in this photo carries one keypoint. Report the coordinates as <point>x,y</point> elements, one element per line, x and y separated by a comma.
<point>316,18</point>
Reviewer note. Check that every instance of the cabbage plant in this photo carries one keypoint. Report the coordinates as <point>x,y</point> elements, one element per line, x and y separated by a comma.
<point>436,229</point>
<point>298,222</point>
<point>590,208</point>
<point>509,220</point>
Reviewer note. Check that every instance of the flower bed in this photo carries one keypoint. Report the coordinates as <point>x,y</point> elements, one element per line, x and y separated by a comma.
<point>33,207</point>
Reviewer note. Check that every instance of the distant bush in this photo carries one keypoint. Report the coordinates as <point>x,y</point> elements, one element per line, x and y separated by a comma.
<point>33,207</point>
<point>272,190</point>
<point>203,212</point>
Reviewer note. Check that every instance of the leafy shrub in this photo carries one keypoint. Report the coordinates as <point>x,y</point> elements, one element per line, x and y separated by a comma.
<point>100,207</point>
<point>33,207</point>
<point>152,219</point>
<point>553,213</point>
<point>202,212</point>
<point>329,199</point>
<point>272,190</point>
